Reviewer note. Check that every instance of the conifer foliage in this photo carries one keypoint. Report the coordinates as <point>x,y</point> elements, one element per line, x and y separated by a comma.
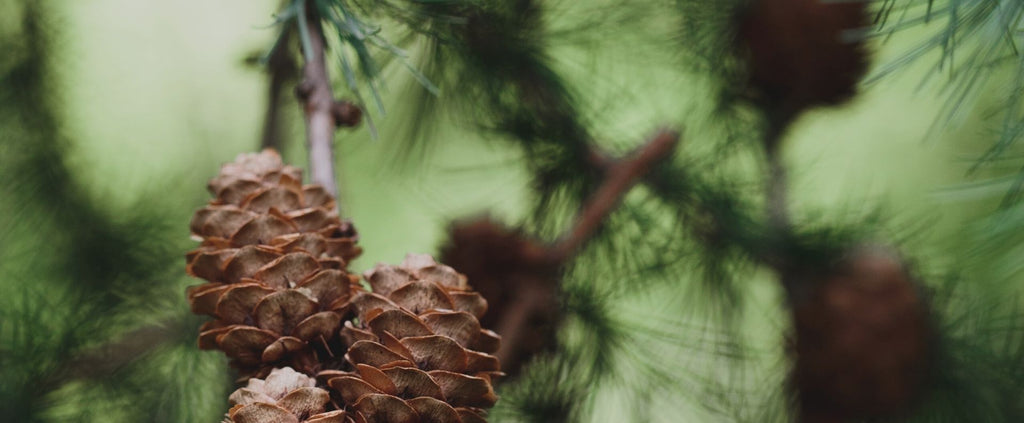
<point>622,287</point>
<point>862,339</point>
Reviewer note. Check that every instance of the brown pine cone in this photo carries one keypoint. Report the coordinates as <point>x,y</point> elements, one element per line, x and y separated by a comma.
<point>797,55</point>
<point>274,253</point>
<point>862,340</point>
<point>418,350</point>
<point>512,272</point>
<point>285,396</point>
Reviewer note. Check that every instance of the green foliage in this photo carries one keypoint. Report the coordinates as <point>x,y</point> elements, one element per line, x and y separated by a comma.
<point>350,35</point>
<point>659,305</point>
<point>76,273</point>
<point>973,46</point>
<point>493,63</point>
<point>977,41</point>
<point>976,373</point>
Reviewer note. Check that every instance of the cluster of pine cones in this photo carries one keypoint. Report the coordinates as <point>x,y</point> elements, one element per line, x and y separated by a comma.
<point>312,344</point>
<point>861,332</point>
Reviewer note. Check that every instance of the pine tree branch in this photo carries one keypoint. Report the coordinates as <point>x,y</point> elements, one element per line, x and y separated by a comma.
<point>315,92</point>
<point>537,286</point>
<point>108,358</point>
<point>620,176</point>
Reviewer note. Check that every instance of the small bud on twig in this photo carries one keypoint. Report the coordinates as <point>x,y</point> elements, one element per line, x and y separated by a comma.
<point>346,113</point>
<point>304,90</point>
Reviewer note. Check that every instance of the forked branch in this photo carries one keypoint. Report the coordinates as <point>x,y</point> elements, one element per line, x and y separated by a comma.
<point>620,176</point>
<point>500,259</point>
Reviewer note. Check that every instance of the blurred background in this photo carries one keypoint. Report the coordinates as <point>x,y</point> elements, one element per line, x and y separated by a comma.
<point>115,113</point>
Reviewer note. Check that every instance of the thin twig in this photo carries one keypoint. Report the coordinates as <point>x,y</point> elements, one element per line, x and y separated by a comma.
<point>620,177</point>
<point>777,188</point>
<point>315,91</point>
<point>281,69</point>
<point>777,203</point>
<point>778,195</point>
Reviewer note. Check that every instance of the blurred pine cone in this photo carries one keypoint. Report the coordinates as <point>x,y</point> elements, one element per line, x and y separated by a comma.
<point>797,55</point>
<point>274,253</point>
<point>285,396</point>
<point>418,350</point>
<point>862,338</point>
<point>508,268</point>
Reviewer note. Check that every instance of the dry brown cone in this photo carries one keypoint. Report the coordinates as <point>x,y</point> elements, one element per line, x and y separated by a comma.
<point>418,351</point>
<point>799,53</point>
<point>520,281</point>
<point>274,253</point>
<point>862,340</point>
<point>285,396</point>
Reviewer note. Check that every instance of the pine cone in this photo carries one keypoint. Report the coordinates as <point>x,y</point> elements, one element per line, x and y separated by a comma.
<point>274,253</point>
<point>797,55</point>
<point>508,268</point>
<point>286,396</point>
<point>861,340</point>
<point>418,350</point>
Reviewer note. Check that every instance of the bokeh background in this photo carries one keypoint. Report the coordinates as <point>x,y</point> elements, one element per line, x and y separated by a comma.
<point>114,113</point>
